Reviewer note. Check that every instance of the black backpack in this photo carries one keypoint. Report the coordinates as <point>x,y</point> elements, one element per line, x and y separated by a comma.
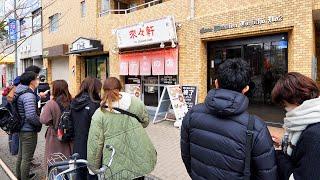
<point>10,119</point>
<point>65,128</point>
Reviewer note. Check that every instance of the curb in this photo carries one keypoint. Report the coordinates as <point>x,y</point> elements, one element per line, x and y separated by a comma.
<point>7,170</point>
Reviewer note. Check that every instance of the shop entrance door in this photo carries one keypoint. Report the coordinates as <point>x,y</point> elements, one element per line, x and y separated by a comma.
<point>97,67</point>
<point>267,57</point>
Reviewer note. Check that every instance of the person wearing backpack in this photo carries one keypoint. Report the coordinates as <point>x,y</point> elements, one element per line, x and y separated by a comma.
<point>120,122</point>
<point>83,106</point>
<point>28,135</point>
<point>219,138</point>
<point>52,115</point>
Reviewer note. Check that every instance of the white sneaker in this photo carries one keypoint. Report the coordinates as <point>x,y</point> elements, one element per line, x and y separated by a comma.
<point>177,124</point>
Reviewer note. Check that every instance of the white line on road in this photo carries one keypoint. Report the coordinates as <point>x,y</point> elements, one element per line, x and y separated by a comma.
<point>7,170</point>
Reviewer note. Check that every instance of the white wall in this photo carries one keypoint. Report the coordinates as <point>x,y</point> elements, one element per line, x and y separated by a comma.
<point>60,69</point>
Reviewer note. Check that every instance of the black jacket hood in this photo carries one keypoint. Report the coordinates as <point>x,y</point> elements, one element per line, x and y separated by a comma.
<point>224,102</point>
<point>80,102</point>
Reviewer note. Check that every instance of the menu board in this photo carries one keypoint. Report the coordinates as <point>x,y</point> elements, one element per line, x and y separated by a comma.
<point>133,89</point>
<point>172,96</point>
<point>178,102</point>
<point>190,95</point>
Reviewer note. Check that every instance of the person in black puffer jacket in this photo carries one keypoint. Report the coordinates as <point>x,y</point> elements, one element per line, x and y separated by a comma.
<point>82,109</point>
<point>213,134</point>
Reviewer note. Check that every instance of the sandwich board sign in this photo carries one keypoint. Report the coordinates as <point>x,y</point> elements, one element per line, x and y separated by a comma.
<point>190,94</point>
<point>172,96</point>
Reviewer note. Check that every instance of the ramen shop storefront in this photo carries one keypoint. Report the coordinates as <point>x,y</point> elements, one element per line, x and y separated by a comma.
<point>147,73</point>
<point>148,58</point>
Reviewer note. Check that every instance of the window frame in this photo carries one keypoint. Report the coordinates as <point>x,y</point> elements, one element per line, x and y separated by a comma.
<point>37,12</point>
<point>83,8</point>
<point>22,31</point>
<point>102,5</point>
<point>51,21</point>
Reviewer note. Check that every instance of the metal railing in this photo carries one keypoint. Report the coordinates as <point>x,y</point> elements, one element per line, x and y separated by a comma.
<point>131,9</point>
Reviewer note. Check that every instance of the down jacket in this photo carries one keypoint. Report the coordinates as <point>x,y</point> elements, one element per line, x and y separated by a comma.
<point>213,138</point>
<point>27,108</point>
<point>134,149</point>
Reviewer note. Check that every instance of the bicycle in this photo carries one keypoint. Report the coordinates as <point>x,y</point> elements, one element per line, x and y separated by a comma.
<point>73,165</point>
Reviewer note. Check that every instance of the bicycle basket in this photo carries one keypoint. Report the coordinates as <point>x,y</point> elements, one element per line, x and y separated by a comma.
<point>129,175</point>
<point>52,173</point>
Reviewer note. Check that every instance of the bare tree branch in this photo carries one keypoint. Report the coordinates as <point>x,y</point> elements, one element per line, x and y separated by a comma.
<point>45,27</point>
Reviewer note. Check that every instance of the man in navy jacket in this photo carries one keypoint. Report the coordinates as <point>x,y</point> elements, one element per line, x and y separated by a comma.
<point>213,134</point>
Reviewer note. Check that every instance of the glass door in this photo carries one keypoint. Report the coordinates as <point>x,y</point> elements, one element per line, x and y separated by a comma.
<point>267,57</point>
<point>97,67</point>
<point>151,90</point>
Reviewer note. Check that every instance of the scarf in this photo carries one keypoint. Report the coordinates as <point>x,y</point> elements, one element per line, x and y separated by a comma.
<point>297,120</point>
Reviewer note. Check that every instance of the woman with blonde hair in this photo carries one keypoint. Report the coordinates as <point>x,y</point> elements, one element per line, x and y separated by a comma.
<point>119,122</point>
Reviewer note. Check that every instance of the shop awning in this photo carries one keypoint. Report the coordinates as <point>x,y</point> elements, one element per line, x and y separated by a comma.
<point>82,45</point>
<point>159,62</point>
<point>6,59</point>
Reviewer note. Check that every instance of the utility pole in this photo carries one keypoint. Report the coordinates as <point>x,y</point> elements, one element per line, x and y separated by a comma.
<point>15,39</point>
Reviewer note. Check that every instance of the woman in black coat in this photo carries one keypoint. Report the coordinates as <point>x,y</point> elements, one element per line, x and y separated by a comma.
<point>298,156</point>
<point>82,109</point>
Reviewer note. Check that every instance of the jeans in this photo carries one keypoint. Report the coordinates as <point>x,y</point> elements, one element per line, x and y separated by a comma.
<point>27,146</point>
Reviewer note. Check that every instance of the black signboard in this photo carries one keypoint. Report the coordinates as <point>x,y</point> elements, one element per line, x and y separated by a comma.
<point>190,95</point>
<point>133,80</point>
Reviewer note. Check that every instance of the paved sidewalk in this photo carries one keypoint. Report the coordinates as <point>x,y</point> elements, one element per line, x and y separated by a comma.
<point>3,175</point>
<point>164,136</point>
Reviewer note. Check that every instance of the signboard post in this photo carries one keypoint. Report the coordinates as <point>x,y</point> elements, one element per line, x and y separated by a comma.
<point>172,96</point>
<point>190,94</point>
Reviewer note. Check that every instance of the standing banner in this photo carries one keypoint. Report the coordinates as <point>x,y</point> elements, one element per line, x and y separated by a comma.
<point>12,29</point>
<point>190,94</point>
<point>172,96</point>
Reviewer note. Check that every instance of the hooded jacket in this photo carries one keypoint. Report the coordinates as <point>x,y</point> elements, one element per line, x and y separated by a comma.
<point>82,110</point>
<point>27,108</point>
<point>213,139</point>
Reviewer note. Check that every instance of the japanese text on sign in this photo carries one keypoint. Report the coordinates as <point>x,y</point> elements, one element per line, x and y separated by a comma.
<point>147,33</point>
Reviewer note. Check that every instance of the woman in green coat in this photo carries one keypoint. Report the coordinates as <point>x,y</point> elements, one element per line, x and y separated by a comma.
<point>134,149</point>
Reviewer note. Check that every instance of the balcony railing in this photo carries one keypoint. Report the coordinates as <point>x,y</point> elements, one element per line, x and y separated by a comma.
<point>131,9</point>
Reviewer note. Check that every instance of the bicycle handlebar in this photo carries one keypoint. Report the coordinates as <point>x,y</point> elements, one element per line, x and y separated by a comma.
<point>76,161</point>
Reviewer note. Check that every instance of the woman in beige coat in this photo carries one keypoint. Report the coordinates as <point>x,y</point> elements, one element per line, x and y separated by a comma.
<point>50,116</point>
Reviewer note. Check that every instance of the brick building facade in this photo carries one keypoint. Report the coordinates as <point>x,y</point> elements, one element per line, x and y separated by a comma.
<point>202,27</point>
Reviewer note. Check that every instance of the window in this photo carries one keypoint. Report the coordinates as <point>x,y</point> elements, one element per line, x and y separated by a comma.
<point>152,4</point>
<point>83,8</point>
<point>105,5</point>
<point>23,29</point>
<point>54,22</point>
<point>36,20</point>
